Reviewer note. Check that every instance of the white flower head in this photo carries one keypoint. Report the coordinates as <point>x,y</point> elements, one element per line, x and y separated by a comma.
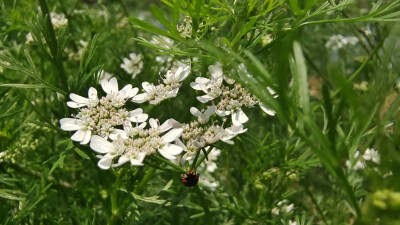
<point>371,154</point>
<point>79,101</point>
<point>203,116</point>
<point>58,19</point>
<point>180,74</point>
<point>111,88</point>
<point>133,65</point>
<point>164,146</point>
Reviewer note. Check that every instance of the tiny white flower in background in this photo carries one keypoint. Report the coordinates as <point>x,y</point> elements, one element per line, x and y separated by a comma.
<point>58,19</point>
<point>79,101</point>
<point>292,222</point>
<point>336,42</point>
<point>210,164</point>
<point>133,65</point>
<point>203,116</point>
<point>29,38</point>
<point>371,154</point>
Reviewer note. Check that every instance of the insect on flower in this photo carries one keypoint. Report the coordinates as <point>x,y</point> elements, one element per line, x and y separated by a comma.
<point>190,179</point>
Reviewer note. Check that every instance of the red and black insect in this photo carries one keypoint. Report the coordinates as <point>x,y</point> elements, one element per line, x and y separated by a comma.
<point>190,179</point>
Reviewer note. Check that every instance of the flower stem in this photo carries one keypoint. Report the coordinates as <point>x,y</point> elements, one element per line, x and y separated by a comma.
<point>203,157</point>
<point>204,205</point>
<point>173,165</point>
<point>195,160</point>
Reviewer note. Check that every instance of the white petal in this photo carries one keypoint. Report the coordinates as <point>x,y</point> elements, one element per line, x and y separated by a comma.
<point>74,104</point>
<point>78,99</point>
<point>168,124</point>
<point>139,118</point>
<point>136,112</point>
<point>173,93</point>
<point>172,135</point>
<point>215,70</point>
<point>170,150</point>
<point>105,85</point>
<point>135,162</point>
<point>267,110</point>
<point>153,123</point>
<point>239,117</point>
<point>86,138</point>
<point>92,93</point>
<point>123,159</point>
<point>183,75</point>
<point>271,91</point>
<point>100,144</point>
<point>222,113</point>
<point>104,163</point>
<point>78,135</point>
<point>204,98</point>
<point>113,84</point>
<point>199,83</point>
<point>70,124</point>
<point>211,110</point>
<point>147,87</point>
<point>118,133</point>
<point>140,98</point>
<point>195,112</point>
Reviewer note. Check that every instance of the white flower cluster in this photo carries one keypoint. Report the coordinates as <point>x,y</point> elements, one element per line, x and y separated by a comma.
<point>154,94</point>
<point>120,135</point>
<point>185,29</point>
<point>133,65</point>
<point>336,42</point>
<point>225,98</point>
<point>370,154</point>
<point>58,19</point>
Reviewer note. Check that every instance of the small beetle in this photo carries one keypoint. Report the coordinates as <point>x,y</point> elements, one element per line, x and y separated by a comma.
<point>190,179</point>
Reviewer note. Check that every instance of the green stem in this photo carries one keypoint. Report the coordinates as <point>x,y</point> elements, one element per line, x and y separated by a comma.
<point>204,205</point>
<point>150,173</point>
<point>195,160</point>
<point>173,165</point>
<point>203,157</point>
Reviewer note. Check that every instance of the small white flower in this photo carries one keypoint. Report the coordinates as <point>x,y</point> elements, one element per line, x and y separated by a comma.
<point>212,87</point>
<point>165,148</point>
<point>111,88</point>
<point>29,38</point>
<point>371,154</point>
<point>232,132</point>
<point>177,77</point>
<point>133,65</point>
<point>83,129</point>
<point>58,20</point>
<point>79,101</point>
<point>203,117</point>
